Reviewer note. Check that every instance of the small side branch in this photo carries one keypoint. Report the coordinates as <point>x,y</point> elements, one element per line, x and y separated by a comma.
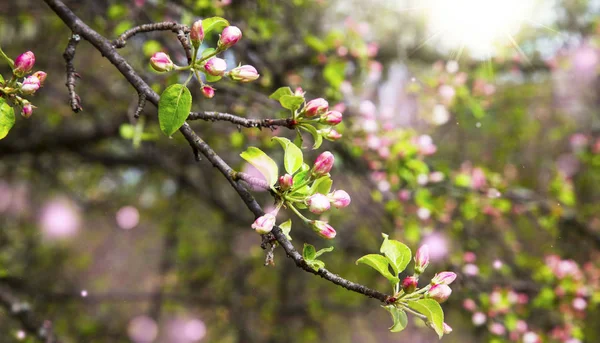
<point>162,26</point>
<point>72,75</point>
<point>141,104</point>
<point>259,123</point>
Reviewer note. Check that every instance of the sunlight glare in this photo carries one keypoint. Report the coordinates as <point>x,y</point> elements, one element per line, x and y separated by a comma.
<point>477,25</point>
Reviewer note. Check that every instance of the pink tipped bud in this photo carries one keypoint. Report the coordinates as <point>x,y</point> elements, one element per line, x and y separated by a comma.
<point>443,278</point>
<point>286,182</point>
<point>330,134</point>
<point>340,199</point>
<point>317,203</point>
<point>409,284</point>
<point>30,85</point>
<point>208,91</point>
<point>323,163</point>
<point>230,36</point>
<point>422,259</point>
<point>27,109</point>
<point>299,92</point>
<point>264,224</point>
<point>245,73</point>
<point>323,229</point>
<point>316,107</point>
<point>215,66</point>
<point>161,62</point>
<point>41,76</point>
<point>447,329</point>
<point>24,63</point>
<point>332,118</point>
<point>197,33</point>
<point>439,293</point>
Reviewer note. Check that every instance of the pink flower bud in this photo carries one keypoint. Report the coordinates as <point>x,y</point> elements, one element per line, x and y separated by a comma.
<point>230,36</point>
<point>323,163</point>
<point>30,85</point>
<point>245,73</point>
<point>316,107</point>
<point>443,278</point>
<point>440,293</point>
<point>330,134</point>
<point>317,203</point>
<point>197,34</point>
<point>215,66</point>
<point>41,76</point>
<point>422,259</point>
<point>27,109</point>
<point>339,198</point>
<point>286,182</point>
<point>409,284</point>
<point>264,224</point>
<point>208,91</point>
<point>161,62</point>
<point>323,229</point>
<point>299,92</point>
<point>447,329</point>
<point>24,63</point>
<point>332,118</point>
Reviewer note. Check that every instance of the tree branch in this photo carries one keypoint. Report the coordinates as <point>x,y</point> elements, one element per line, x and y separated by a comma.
<point>108,51</point>
<point>259,123</point>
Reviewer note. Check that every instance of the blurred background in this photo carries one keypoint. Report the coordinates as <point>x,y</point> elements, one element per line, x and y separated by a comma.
<point>470,126</point>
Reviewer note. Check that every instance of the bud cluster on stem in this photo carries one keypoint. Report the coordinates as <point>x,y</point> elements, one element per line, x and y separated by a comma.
<point>14,89</point>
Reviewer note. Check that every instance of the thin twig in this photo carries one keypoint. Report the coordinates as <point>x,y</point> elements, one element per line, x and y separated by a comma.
<point>140,106</point>
<point>72,75</point>
<point>218,116</point>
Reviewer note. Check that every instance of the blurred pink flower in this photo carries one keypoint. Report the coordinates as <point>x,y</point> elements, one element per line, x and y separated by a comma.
<point>438,246</point>
<point>142,329</point>
<point>59,219</point>
<point>128,217</point>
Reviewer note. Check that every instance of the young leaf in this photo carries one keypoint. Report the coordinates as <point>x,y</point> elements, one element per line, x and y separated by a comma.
<point>322,251</point>
<point>212,78</point>
<point>298,140</point>
<point>286,228</point>
<point>281,92</point>
<point>213,23</point>
<point>309,252</point>
<point>398,253</point>
<point>433,311</point>
<point>321,185</point>
<point>7,118</point>
<point>398,316</point>
<point>173,108</point>
<point>380,264</point>
<point>316,264</point>
<point>293,158</point>
<point>8,60</point>
<point>316,136</point>
<point>291,102</point>
<point>261,161</point>
<point>206,52</point>
<point>300,177</point>
<point>1,79</point>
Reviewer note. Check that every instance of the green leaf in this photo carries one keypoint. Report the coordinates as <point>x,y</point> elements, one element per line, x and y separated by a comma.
<point>281,92</point>
<point>433,311</point>
<point>380,264</point>
<point>261,161</point>
<point>173,108</point>
<point>334,73</point>
<point>315,43</point>
<point>398,316</point>
<point>316,264</point>
<point>286,228</point>
<point>300,177</point>
<point>293,158</point>
<point>7,118</point>
<point>291,102</point>
<point>206,52</point>
<point>213,23</point>
<point>397,253</point>
<point>322,251</point>
<point>316,135</point>
<point>298,140</point>
<point>212,78</point>
<point>309,252</point>
<point>1,79</point>
<point>321,185</point>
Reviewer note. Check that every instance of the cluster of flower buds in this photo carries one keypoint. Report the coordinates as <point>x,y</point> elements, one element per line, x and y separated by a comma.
<point>213,67</point>
<point>14,89</point>
<point>318,110</point>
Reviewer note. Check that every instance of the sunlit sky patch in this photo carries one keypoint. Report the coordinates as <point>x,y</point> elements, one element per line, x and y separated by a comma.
<point>479,26</point>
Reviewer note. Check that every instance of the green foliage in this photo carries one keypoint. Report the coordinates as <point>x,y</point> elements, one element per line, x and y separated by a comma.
<point>213,24</point>
<point>310,255</point>
<point>173,108</point>
<point>398,254</point>
<point>261,161</point>
<point>381,264</point>
<point>293,158</point>
<point>7,118</point>
<point>432,311</point>
<point>398,316</point>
